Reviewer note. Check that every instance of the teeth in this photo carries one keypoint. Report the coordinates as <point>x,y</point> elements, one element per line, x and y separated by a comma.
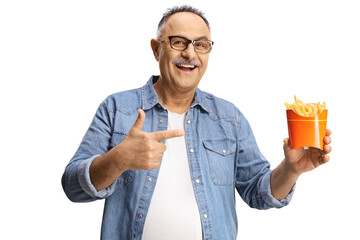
<point>186,65</point>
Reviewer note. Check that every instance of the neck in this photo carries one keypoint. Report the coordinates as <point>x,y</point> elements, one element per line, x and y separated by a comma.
<point>174,100</point>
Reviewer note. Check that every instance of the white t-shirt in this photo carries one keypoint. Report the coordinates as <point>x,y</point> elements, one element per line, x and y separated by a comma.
<point>173,211</point>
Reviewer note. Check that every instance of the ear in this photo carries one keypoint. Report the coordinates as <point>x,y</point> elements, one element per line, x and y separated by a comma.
<point>155,48</point>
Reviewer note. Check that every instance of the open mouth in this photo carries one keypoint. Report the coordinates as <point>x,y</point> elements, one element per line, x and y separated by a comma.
<point>185,67</point>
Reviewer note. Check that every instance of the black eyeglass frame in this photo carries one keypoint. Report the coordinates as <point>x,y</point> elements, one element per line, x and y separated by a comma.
<point>190,41</point>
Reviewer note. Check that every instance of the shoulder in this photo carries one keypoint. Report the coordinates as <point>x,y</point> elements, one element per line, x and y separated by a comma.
<point>220,108</point>
<point>126,102</point>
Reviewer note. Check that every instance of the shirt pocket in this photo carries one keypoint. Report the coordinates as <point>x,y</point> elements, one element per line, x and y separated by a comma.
<point>221,157</point>
<point>126,177</point>
<point>116,138</point>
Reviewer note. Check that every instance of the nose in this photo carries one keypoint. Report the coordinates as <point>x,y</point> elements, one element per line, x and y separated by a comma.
<point>189,52</point>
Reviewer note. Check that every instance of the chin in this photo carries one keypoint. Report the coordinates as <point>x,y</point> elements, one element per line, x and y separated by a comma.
<point>187,84</point>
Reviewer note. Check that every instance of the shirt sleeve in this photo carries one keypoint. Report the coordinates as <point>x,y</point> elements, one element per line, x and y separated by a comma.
<point>85,182</point>
<point>266,195</point>
<point>76,180</point>
<point>253,172</point>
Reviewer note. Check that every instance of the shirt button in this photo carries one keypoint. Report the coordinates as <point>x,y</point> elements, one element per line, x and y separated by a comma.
<point>161,121</point>
<point>189,121</point>
<point>139,216</point>
<point>149,180</point>
<point>191,150</point>
<point>197,181</point>
<point>205,215</point>
<point>224,151</point>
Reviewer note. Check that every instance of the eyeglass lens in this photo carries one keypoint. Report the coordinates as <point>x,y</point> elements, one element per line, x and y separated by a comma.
<point>179,43</point>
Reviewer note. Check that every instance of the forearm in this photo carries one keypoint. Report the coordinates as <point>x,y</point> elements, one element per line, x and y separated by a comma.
<point>282,181</point>
<point>105,169</point>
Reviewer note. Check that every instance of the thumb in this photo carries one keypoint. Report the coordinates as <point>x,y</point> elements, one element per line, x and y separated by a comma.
<point>286,144</point>
<point>139,121</point>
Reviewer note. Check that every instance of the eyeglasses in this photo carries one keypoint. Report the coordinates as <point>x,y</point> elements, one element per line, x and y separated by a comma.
<point>181,43</point>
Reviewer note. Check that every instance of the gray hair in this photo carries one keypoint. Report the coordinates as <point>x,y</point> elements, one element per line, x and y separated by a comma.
<point>184,8</point>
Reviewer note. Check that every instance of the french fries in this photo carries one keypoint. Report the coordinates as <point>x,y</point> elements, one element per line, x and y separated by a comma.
<point>305,110</point>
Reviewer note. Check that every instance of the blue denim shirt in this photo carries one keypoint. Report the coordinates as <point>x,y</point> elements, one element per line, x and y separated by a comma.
<point>222,154</point>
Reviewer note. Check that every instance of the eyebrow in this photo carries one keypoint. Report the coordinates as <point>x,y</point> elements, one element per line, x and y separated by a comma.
<point>202,38</point>
<point>197,39</point>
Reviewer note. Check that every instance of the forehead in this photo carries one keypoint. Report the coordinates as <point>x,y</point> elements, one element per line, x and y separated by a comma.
<point>186,24</point>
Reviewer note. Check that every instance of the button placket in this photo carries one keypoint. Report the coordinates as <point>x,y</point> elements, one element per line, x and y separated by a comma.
<point>193,157</point>
<point>160,124</point>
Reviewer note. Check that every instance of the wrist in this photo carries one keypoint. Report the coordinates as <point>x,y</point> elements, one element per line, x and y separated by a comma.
<point>288,170</point>
<point>118,159</point>
<point>282,180</point>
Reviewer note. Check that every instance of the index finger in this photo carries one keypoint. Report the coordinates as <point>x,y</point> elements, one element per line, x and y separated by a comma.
<point>167,134</point>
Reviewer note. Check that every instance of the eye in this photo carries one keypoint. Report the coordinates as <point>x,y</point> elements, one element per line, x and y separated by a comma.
<point>202,44</point>
<point>177,42</point>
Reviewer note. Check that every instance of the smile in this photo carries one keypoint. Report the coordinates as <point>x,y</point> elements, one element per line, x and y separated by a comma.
<point>185,67</point>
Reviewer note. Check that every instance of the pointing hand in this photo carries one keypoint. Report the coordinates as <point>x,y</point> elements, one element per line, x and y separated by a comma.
<point>142,150</point>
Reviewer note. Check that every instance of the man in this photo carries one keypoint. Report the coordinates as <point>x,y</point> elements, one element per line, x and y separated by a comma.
<point>167,157</point>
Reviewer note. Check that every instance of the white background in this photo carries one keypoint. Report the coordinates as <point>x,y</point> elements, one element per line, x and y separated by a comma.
<point>60,59</point>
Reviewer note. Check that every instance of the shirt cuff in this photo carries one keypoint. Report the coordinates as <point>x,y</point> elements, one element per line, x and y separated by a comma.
<point>83,176</point>
<point>269,198</point>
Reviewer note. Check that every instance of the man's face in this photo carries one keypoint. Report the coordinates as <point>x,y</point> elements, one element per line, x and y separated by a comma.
<point>179,76</point>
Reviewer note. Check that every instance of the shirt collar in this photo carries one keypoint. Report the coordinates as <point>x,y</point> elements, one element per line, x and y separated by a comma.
<point>150,98</point>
